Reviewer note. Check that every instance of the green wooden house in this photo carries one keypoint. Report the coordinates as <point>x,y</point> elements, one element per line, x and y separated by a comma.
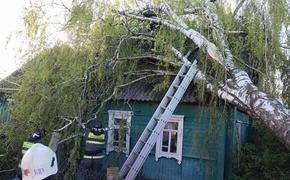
<point>195,144</point>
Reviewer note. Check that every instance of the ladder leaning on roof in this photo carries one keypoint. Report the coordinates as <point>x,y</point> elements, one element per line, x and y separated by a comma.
<point>147,140</point>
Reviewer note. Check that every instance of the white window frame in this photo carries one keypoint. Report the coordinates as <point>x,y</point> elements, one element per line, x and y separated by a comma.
<point>178,155</point>
<point>110,140</point>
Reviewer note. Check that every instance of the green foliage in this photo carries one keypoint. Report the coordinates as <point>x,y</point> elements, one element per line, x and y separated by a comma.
<point>50,88</point>
<point>81,17</point>
<point>263,157</point>
<point>258,50</point>
<point>31,21</point>
<point>102,50</point>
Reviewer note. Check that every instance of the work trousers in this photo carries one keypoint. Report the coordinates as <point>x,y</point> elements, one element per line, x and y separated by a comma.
<point>90,169</point>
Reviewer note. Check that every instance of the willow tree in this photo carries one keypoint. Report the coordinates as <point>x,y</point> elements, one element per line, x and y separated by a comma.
<point>113,45</point>
<point>238,57</point>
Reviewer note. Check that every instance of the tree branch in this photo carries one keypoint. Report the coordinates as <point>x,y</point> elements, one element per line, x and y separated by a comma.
<point>116,90</point>
<point>11,82</point>
<point>195,36</point>
<point>7,170</point>
<point>70,137</point>
<point>65,126</point>
<point>9,89</point>
<point>238,7</point>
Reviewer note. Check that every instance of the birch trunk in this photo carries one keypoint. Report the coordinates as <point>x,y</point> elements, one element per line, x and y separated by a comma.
<point>239,90</point>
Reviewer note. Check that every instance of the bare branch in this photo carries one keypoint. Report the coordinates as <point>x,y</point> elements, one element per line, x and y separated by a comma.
<point>116,90</point>
<point>151,56</point>
<point>8,170</point>
<point>195,36</point>
<point>150,71</point>
<point>196,10</point>
<point>9,89</point>
<point>70,137</point>
<point>10,82</point>
<point>238,7</point>
<point>237,32</point>
<point>166,8</point>
<point>65,126</point>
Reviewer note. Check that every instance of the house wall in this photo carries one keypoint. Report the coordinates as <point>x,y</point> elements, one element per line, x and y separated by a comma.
<point>4,114</point>
<point>204,142</point>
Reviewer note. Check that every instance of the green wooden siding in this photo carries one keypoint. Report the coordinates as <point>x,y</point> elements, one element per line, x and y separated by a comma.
<point>204,142</point>
<point>4,112</point>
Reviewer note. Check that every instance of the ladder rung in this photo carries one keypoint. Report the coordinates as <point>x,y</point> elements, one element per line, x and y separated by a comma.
<point>129,166</point>
<point>150,130</point>
<point>135,153</point>
<point>162,107</point>
<point>169,97</point>
<point>175,86</point>
<point>156,119</point>
<point>181,76</point>
<point>188,65</point>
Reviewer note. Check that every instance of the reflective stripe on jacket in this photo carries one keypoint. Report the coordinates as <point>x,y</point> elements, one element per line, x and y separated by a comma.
<point>95,146</point>
<point>26,145</point>
<point>93,157</point>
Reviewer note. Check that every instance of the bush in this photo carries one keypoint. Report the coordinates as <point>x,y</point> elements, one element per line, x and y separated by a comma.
<point>263,157</point>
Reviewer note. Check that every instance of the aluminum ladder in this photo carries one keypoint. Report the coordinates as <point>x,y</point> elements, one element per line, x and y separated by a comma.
<point>147,140</point>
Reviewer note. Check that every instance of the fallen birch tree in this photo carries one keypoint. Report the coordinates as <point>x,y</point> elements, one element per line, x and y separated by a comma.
<point>238,89</point>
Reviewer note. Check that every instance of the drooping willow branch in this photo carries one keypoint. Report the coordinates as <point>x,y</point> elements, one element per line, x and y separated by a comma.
<point>116,90</point>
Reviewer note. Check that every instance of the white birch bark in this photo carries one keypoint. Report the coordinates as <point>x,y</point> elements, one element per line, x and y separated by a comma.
<point>239,90</point>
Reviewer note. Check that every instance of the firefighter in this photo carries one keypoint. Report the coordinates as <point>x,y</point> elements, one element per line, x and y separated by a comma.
<point>31,140</point>
<point>151,14</point>
<point>34,138</point>
<point>92,161</point>
<point>39,162</point>
<point>146,45</point>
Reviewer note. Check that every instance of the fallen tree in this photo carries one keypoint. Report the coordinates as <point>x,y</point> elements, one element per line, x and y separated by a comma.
<point>238,89</point>
<point>237,58</point>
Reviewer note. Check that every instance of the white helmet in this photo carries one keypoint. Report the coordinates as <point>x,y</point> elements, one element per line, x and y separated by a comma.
<point>38,163</point>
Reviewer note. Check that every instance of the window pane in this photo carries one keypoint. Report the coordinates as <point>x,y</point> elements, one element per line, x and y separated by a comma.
<point>165,148</point>
<point>116,134</point>
<point>165,139</point>
<point>117,121</point>
<point>171,125</point>
<point>115,143</point>
<point>173,144</point>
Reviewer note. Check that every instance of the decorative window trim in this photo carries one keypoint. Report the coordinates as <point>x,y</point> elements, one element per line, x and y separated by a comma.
<point>118,114</point>
<point>178,155</point>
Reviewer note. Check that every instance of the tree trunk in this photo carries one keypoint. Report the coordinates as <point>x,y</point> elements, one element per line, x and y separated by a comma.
<point>239,90</point>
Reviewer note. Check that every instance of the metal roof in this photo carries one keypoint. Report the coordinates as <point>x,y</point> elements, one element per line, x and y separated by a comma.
<point>144,91</point>
<point>5,83</point>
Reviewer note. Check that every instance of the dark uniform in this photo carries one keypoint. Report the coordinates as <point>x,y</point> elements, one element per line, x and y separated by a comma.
<point>94,153</point>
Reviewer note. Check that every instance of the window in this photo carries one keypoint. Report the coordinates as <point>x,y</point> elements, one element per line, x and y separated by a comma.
<point>119,135</point>
<point>169,142</point>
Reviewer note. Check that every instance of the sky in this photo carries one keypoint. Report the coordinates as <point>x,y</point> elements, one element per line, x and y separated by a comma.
<point>11,19</point>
